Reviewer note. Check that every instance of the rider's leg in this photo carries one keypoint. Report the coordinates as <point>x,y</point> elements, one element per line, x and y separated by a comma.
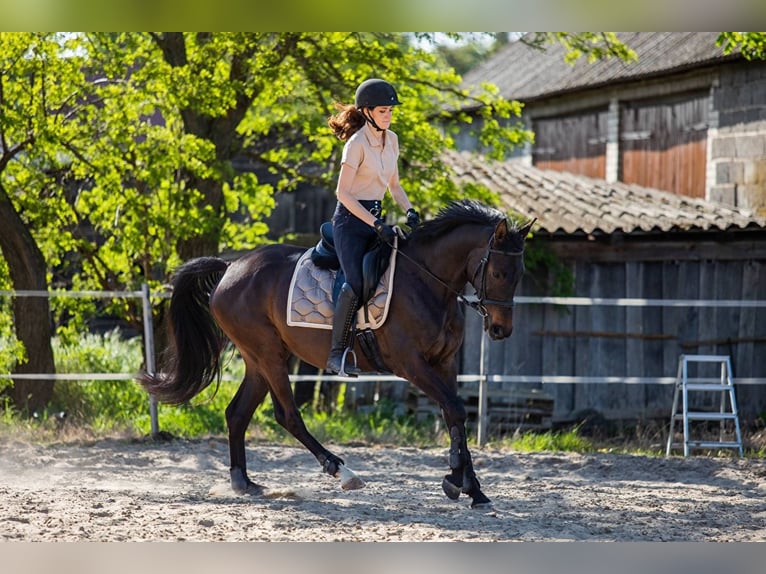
<point>342,331</point>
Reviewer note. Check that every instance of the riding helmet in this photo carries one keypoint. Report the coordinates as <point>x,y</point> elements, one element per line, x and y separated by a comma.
<point>375,92</point>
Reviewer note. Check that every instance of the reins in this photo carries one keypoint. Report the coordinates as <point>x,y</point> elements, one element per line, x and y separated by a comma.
<point>480,304</point>
<point>472,304</point>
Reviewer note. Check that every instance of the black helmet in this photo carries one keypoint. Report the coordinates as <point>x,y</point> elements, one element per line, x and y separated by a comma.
<point>375,92</point>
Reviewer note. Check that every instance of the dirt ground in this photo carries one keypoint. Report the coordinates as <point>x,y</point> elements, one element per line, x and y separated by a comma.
<point>131,490</point>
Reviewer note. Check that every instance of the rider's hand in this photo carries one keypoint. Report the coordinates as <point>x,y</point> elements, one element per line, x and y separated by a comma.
<point>385,232</point>
<point>413,218</point>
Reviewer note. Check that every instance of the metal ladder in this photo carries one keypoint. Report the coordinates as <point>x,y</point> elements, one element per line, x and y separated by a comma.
<point>725,386</point>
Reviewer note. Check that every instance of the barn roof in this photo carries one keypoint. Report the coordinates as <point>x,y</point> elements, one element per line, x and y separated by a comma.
<point>525,73</point>
<point>572,204</point>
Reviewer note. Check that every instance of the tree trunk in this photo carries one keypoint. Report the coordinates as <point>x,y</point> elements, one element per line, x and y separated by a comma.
<point>32,319</point>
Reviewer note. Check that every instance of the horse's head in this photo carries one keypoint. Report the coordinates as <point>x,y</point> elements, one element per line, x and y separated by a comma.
<point>497,277</point>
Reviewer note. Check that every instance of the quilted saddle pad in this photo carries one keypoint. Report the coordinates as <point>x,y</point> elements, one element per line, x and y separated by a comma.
<point>309,302</point>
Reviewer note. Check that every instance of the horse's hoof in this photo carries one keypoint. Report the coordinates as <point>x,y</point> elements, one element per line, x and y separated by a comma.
<point>354,483</point>
<point>481,501</point>
<point>248,489</point>
<point>348,480</point>
<point>451,490</point>
<point>242,485</point>
<point>253,489</point>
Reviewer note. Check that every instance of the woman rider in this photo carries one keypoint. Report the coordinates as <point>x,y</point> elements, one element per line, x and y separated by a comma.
<point>369,167</point>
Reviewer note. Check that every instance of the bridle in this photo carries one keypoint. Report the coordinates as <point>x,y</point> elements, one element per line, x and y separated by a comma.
<point>481,291</point>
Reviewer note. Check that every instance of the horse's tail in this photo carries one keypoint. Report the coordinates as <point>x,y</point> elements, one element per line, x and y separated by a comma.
<point>193,358</point>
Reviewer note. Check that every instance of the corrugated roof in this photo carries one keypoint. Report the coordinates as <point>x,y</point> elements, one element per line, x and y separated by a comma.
<point>525,73</point>
<point>568,203</point>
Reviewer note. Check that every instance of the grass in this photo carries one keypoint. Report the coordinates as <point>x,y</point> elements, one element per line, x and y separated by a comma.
<point>560,441</point>
<point>96,409</point>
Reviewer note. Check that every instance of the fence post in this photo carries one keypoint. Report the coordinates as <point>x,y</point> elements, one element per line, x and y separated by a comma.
<point>481,423</point>
<point>149,353</point>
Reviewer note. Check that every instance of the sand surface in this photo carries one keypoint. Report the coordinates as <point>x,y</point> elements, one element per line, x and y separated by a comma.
<point>123,490</point>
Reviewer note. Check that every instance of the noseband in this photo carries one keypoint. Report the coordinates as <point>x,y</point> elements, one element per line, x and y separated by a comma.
<point>481,290</point>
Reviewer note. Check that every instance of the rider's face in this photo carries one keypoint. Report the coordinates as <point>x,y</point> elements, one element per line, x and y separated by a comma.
<point>382,116</point>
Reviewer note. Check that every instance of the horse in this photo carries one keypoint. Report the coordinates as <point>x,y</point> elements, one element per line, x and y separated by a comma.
<point>244,302</point>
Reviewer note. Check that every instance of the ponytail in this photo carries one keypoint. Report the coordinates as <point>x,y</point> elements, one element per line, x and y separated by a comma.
<point>346,122</point>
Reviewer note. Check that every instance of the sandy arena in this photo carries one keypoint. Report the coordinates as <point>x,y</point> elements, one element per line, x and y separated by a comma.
<point>123,490</point>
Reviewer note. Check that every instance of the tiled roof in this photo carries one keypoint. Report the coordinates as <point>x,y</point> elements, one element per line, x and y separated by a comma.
<point>525,73</point>
<point>572,204</point>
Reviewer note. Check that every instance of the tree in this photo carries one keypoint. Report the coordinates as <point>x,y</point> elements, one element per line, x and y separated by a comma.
<point>37,87</point>
<point>118,150</point>
<point>751,44</point>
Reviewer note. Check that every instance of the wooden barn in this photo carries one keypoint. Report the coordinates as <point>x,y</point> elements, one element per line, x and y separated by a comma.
<point>624,241</point>
<point>683,118</point>
<point>648,180</point>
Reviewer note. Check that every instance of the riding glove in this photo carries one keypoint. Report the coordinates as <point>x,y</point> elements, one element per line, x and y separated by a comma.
<point>413,218</point>
<point>385,232</point>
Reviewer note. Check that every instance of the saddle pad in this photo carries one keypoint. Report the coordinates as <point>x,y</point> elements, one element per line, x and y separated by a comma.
<point>309,301</point>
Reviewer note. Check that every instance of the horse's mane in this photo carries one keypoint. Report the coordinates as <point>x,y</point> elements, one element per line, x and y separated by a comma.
<point>464,211</point>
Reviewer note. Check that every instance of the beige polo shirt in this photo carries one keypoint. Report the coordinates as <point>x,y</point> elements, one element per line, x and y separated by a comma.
<point>375,163</point>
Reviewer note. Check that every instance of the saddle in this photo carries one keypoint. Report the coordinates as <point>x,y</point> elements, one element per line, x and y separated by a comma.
<point>317,281</point>
<point>374,263</point>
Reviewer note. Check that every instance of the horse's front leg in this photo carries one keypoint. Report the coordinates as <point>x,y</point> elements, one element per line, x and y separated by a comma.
<point>462,478</point>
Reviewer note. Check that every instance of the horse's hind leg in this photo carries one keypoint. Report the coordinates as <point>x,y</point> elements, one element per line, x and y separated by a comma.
<point>240,411</point>
<point>287,414</point>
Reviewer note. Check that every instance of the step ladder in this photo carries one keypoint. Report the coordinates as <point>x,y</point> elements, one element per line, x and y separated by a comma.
<point>727,412</point>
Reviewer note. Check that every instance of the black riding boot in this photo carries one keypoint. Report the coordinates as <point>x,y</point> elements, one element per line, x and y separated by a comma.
<point>342,330</point>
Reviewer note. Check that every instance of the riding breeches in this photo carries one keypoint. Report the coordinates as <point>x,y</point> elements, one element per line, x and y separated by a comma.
<point>352,236</point>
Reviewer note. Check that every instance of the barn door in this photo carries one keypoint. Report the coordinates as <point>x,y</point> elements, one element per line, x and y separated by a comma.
<point>575,143</point>
<point>663,143</point>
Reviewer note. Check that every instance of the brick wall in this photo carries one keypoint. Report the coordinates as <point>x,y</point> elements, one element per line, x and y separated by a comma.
<point>738,142</point>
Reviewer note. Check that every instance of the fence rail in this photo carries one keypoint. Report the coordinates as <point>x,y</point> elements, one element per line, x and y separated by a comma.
<point>482,377</point>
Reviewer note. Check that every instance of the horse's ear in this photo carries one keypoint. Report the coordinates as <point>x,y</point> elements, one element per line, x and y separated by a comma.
<point>524,231</point>
<point>501,230</point>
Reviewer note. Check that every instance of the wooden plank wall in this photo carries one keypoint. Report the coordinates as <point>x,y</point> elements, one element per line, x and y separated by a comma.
<point>663,144</point>
<point>602,341</point>
<point>574,143</point>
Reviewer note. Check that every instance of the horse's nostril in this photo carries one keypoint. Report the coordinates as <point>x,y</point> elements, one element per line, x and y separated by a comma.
<point>499,332</point>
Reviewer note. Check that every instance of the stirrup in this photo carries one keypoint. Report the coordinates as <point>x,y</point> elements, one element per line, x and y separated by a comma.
<point>342,372</point>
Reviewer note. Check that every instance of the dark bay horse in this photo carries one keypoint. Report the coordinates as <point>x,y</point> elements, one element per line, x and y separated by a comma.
<point>245,302</point>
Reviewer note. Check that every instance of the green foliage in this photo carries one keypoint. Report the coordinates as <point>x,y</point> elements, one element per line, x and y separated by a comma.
<point>593,45</point>
<point>381,424</point>
<point>122,406</point>
<point>546,268</point>
<point>11,349</point>
<point>129,140</point>
<point>99,404</point>
<point>751,44</point>
<point>561,441</point>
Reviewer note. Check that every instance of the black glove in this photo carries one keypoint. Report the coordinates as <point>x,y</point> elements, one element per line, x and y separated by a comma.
<point>413,219</point>
<point>385,232</point>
